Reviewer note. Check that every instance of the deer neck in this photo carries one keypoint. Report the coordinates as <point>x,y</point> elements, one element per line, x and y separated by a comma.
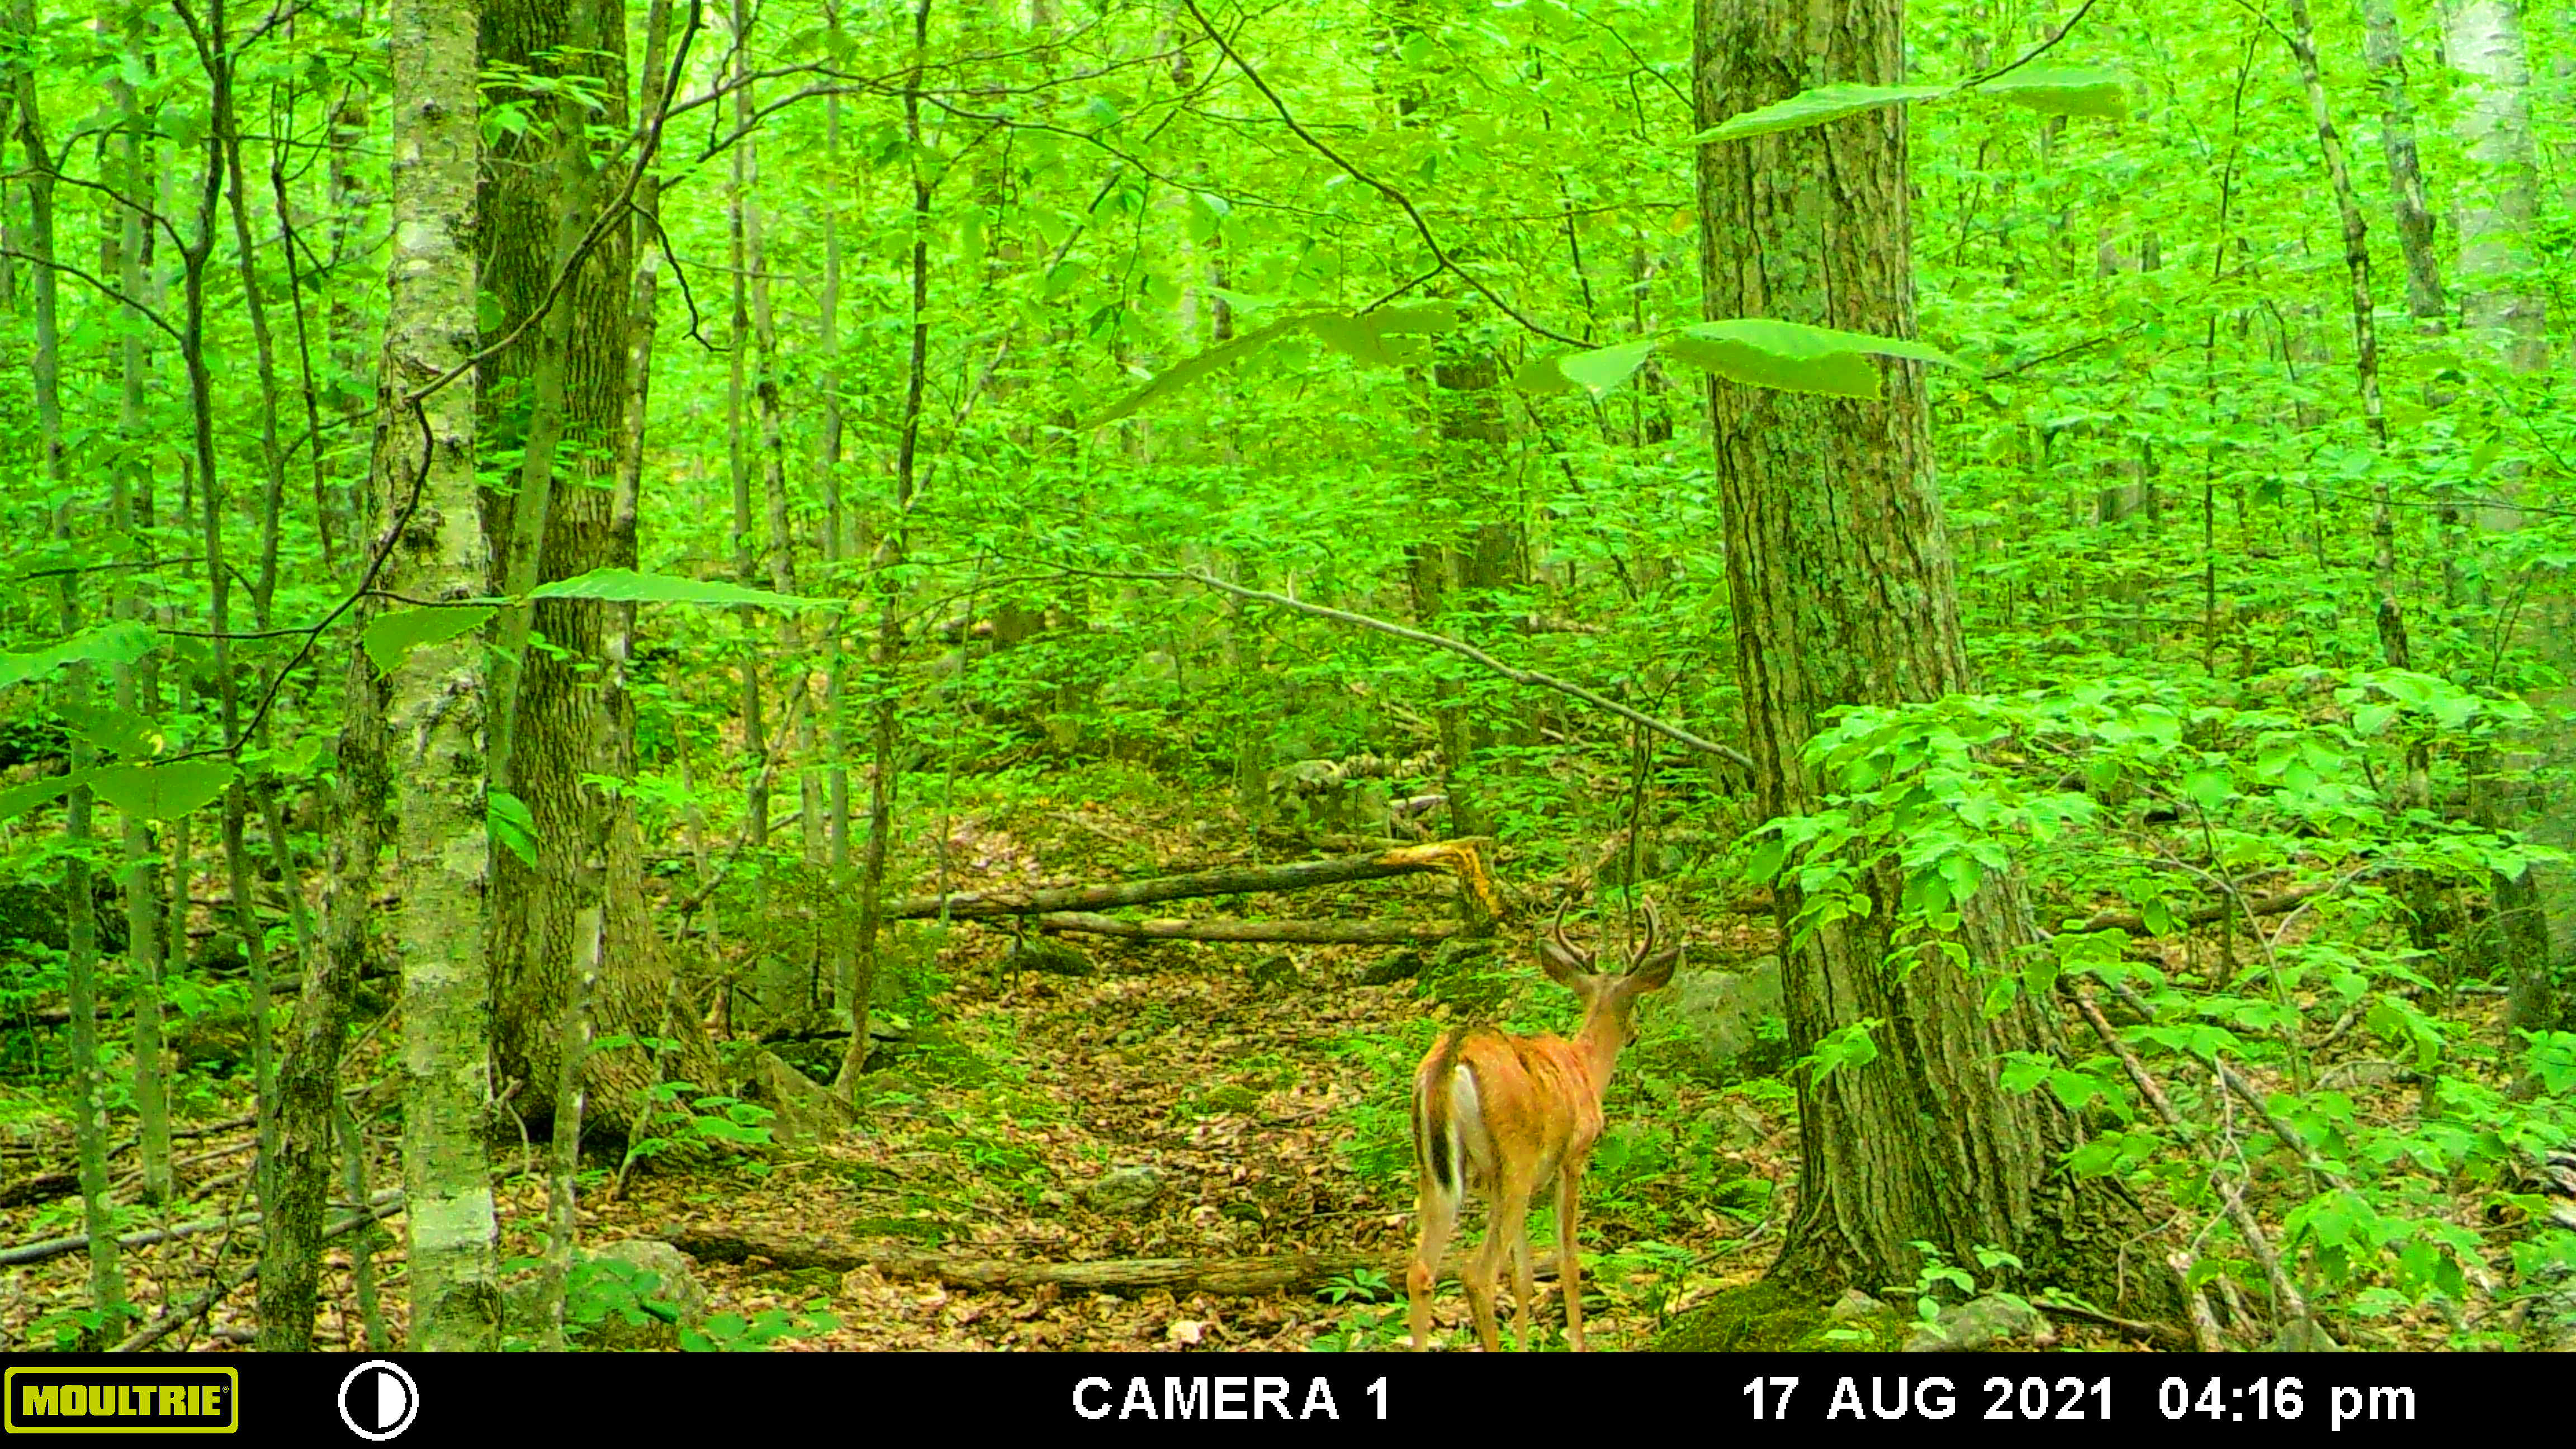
<point>1596,1047</point>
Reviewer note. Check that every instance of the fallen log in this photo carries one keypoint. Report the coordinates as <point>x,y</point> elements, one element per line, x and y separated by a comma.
<point>388,1201</point>
<point>2271,905</point>
<point>1307,932</point>
<point>1463,857</point>
<point>1237,1277</point>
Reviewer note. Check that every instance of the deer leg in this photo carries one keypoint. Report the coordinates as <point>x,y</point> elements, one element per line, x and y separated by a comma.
<point>1510,1204</point>
<point>1484,1270</point>
<point>1569,1258</point>
<point>1438,1212</point>
<point>1524,1282</point>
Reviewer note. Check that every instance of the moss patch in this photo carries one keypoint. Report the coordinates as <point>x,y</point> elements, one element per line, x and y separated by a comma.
<point>1759,1317</point>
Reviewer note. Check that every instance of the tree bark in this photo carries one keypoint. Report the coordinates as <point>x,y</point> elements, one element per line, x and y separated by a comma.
<point>89,1107</point>
<point>436,697</point>
<point>564,718</point>
<point>2386,52</point>
<point>1840,572</point>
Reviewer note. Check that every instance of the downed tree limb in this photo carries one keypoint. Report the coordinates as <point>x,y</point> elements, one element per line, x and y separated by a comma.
<point>1308,932</point>
<point>37,1252</point>
<point>1285,1273</point>
<point>1462,857</point>
<point>2272,905</point>
<point>1464,650</point>
<point>385,1206</point>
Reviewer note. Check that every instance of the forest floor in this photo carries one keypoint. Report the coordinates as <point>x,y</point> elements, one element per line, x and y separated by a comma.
<point>1252,1097</point>
<point>1260,1087</point>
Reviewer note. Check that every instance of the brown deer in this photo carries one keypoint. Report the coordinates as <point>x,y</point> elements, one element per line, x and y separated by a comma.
<point>1502,1113</point>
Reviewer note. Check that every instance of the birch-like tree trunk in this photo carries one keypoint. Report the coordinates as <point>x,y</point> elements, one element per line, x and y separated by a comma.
<point>435,698</point>
<point>2502,301</point>
<point>2385,49</point>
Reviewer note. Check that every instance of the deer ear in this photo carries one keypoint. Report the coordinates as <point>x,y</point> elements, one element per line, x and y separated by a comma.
<point>1657,970</point>
<point>1561,965</point>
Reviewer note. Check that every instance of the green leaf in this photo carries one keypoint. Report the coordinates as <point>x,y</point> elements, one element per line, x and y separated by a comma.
<point>512,825</point>
<point>1542,376</point>
<point>389,636</point>
<point>161,792</point>
<point>120,731</point>
<point>626,586</point>
<point>2063,90</point>
<point>2208,788</point>
<point>18,799</point>
<point>1793,356</point>
<point>1604,368</point>
<point>1181,374</point>
<point>1814,108</point>
<point>122,642</point>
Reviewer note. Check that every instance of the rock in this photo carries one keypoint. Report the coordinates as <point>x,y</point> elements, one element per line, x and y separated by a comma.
<point>1714,1021</point>
<point>1276,969</point>
<point>1977,1325</point>
<point>1397,965</point>
<point>673,1289</point>
<point>625,1297</point>
<point>1124,1190</point>
<point>1046,954</point>
<point>1854,1304</point>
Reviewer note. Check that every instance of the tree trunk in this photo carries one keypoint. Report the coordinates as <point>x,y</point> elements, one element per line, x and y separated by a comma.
<point>1841,577</point>
<point>2386,51</point>
<point>558,722</point>
<point>89,1107</point>
<point>436,696</point>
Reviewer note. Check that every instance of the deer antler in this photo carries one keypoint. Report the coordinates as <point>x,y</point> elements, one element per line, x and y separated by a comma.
<point>1558,930</point>
<point>1646,947</point>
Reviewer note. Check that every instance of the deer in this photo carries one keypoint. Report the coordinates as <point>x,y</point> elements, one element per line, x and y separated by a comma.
<point>1501,1113</point>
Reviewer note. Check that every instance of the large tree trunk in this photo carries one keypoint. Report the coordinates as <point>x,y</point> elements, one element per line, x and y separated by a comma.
<point>2501,302</point>
<point>559,716</point>
<point>1841,577</point>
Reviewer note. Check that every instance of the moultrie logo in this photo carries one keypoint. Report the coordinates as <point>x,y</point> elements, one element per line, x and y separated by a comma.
<point>86,1399</point>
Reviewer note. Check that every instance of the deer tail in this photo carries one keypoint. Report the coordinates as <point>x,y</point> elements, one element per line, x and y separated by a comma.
<point>1435,1131</point>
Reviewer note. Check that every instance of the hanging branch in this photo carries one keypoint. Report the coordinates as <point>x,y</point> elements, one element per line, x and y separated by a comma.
<point>1463,650</point>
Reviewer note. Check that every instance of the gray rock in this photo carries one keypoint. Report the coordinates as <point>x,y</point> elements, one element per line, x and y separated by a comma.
<point>632,1296</point>
<point>1124,1190</point>
<point>1977,1325</point>
<point>1854,1304</point>
<point>1713,1019</point>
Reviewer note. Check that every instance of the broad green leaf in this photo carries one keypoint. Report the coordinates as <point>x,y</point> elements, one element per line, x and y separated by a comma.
<point>1370,342</point>
<point>1189,370</point>
<point>161,792</point>
<point>1814,108</point>
<point>1542,376</point>
<point>1604,368</point>
<point>389,636</point>
<point>20,798</point>
<point>2208,788</point>
<point>626,586</point>
<point>119,731</point>
<point>2063,90</point>
<point>122,642</point>
<point>1793,356</point>
<point>512,824</point>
